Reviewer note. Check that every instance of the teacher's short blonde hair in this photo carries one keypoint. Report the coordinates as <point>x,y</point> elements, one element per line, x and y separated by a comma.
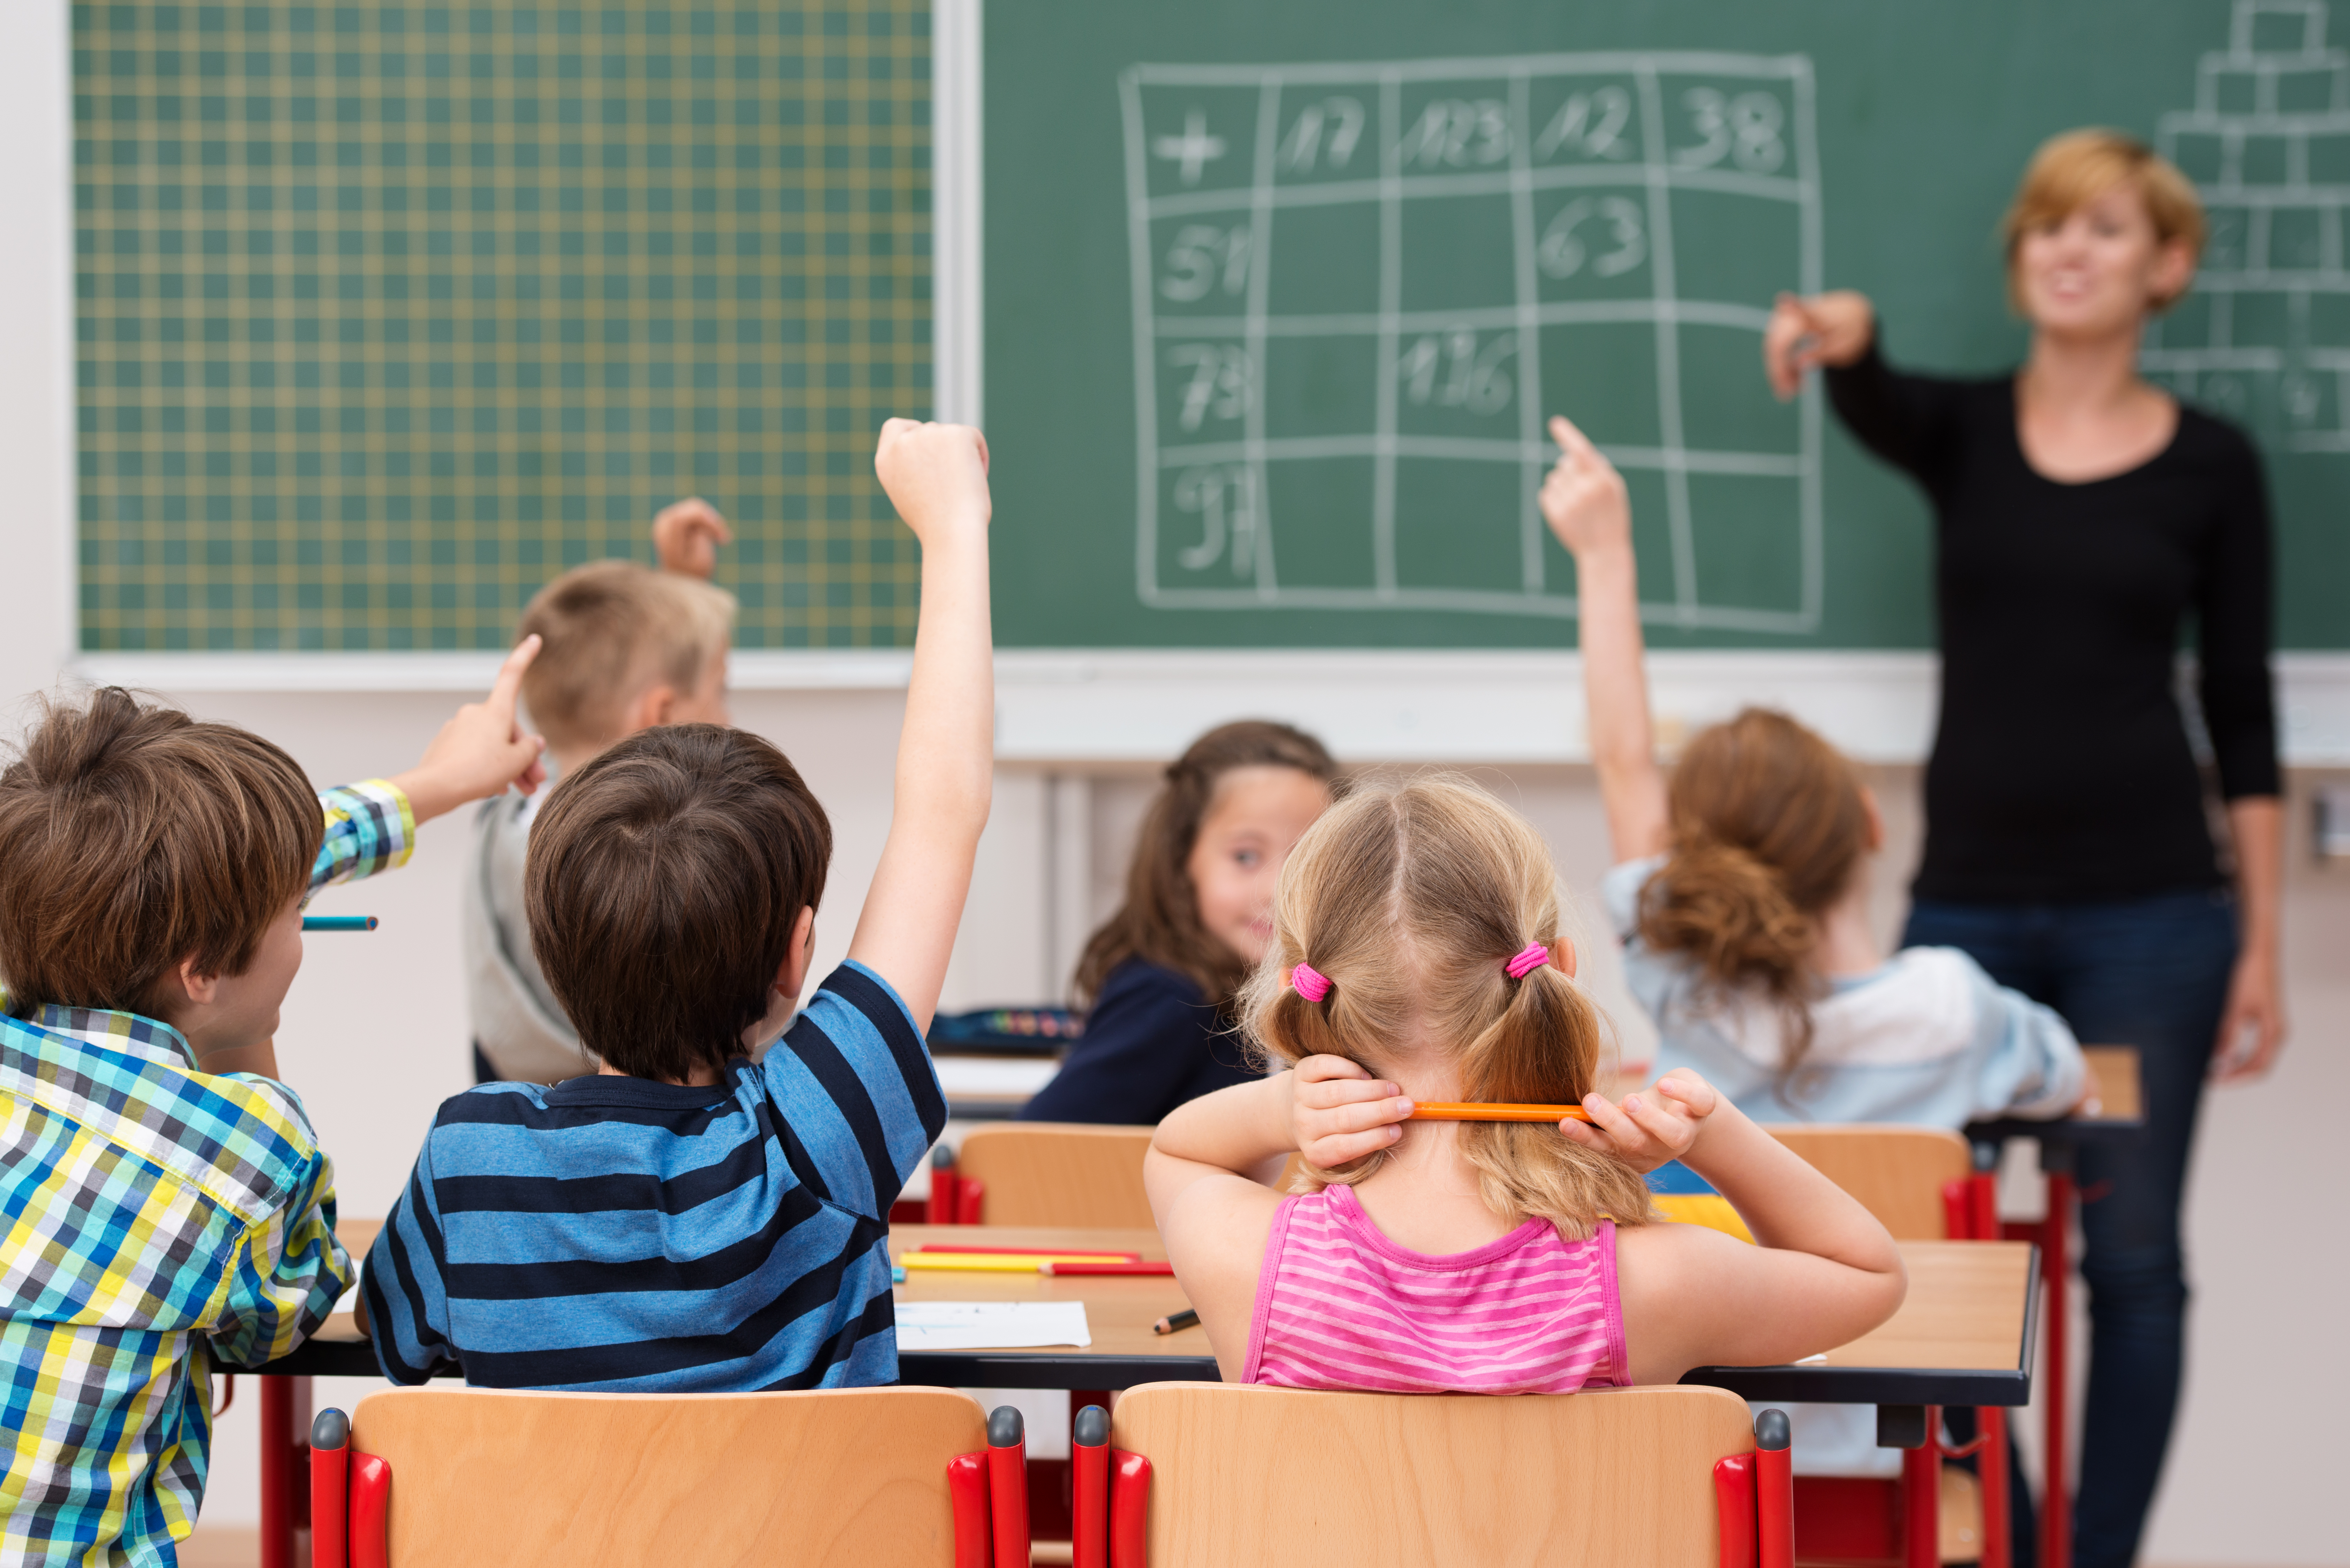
<point>2079,166</point>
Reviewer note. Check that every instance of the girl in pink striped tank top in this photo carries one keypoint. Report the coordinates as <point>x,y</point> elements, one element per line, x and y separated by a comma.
<point>1415,937</point>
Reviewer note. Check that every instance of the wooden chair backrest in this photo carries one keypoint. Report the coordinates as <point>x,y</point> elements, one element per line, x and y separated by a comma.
<point>1897,1172</point>
<point>1057,1173</point>
<point>1243,1475</point>
<point>855,1475</point>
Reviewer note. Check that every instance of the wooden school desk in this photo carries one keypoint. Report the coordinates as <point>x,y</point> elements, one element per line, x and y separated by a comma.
<point>1118,1315</point>
<point>2121,1117</point>
<point>1963,1337</point>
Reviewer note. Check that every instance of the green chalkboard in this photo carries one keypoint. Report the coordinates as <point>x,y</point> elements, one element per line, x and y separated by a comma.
<point>1277,297</point>
<point>389,312</point>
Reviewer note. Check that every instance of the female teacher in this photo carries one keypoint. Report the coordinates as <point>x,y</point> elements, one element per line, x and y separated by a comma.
<point>2084,517</point>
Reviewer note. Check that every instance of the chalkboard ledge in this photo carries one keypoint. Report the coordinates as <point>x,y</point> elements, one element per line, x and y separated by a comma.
<point>1114,706</point>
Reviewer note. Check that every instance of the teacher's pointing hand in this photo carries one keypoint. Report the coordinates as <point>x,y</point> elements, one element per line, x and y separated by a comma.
<point>1832,329</point>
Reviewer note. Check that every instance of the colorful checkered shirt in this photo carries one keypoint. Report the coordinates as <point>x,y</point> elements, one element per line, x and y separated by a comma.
<point>154,1221</point>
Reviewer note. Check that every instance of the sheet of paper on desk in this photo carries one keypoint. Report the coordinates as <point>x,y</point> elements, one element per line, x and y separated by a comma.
<point>991,1325</point>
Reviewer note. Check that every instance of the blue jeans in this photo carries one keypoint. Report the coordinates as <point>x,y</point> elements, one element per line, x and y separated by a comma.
<point>2152,973</point>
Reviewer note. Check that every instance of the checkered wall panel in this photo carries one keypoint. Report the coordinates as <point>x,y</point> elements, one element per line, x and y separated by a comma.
<point>389,313</point>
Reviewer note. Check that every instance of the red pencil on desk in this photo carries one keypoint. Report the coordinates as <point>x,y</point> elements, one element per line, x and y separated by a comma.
<point>1049,1267</point>
<point>1028,1252</point>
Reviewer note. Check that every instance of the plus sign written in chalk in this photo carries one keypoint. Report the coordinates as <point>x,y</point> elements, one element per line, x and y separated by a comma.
<point>1193,151</point>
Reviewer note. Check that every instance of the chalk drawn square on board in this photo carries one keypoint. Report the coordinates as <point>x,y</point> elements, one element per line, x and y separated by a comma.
<point>2265,337</point>
<point>1359,288</point>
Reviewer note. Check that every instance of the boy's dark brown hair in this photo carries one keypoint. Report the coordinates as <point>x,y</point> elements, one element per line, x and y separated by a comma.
<point>134,838</point>
<point>1160,922</point>
<point>664,882</point>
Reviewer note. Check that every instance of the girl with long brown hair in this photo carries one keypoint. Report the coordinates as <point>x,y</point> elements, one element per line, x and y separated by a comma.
<point>1159,976</point>
<point>1417,937</point>
<point>1741,890</point>
<point>1741,895</point>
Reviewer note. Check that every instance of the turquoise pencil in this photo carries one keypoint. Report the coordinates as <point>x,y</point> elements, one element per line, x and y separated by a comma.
<point>338,922</point>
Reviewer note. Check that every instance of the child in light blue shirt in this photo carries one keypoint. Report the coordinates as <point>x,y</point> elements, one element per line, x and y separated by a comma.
<point>1740,894</point>
<point>1924,1037</point>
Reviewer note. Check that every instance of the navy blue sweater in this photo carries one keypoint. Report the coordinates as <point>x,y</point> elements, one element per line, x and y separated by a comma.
<point>1150,1044</point>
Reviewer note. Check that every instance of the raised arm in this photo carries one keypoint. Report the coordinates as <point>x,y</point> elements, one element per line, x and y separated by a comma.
<point>480,751</point>
<point>1584,503</point>
<point>937,477</point>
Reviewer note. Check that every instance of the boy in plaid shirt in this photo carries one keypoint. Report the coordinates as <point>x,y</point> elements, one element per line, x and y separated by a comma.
<point>165,1206</point>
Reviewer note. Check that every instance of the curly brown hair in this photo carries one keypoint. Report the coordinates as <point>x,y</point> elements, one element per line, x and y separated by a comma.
<point>1770,825</point>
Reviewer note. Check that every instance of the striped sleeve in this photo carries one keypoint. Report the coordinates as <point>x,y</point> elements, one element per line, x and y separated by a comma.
<point>853,1080</point>
<point>288,1274</point>
<point>406,1295</point>
<point>370,828</point>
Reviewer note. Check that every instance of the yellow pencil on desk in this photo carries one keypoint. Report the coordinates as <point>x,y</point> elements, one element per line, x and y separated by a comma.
<point>1001,1262</point>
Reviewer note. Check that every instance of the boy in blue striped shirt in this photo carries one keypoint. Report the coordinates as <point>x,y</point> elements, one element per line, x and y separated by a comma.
<point>694,1216</point>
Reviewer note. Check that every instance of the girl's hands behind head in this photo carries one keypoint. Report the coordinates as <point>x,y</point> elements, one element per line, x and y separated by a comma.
<point>1651,1128</point>
<point>1339,1113</point>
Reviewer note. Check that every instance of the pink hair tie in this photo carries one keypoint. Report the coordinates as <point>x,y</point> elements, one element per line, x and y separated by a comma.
<point>1530,957</point>
<point>1311,983</point>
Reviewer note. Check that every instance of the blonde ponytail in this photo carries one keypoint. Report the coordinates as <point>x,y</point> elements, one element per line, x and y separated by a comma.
<point>1411,898</point>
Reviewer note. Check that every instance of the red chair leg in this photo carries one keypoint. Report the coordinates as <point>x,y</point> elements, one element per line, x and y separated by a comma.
<point>1774,1492</point>
<point>946,1188</point>
<point>2055,1480</point>
<point>967,1485</point>
<point>1089,1487</point>
<point>1007,1483</point>
<point>1921,1498</point>
<point>278,1473</point>
<point>330,1468</point>
<point>1998,1541</point>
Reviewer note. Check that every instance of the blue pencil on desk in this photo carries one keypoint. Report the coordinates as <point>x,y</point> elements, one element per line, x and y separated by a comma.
<point>338,922</point>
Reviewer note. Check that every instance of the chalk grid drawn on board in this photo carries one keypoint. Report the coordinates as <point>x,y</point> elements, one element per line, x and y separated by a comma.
<point>2264,336</point>
<point>1372,438</point>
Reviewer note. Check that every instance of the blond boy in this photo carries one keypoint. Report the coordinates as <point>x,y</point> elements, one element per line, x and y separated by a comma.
<point>626,649</point>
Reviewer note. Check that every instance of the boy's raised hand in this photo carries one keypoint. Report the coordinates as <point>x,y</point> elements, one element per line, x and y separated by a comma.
<point>936,475</point>
<point>1339,1113</point>
<point>1648,1129</point>
<point>937,478</point>
<point>481,750</point>
<point>686,537</point>
<point>1582,498</point>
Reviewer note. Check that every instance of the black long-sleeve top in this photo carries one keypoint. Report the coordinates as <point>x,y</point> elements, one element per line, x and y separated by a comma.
<point>2062,770</point>
<point>1151,1042</point>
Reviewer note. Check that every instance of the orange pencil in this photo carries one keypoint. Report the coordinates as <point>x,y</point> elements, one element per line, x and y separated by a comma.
<point>1459,1111</point>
